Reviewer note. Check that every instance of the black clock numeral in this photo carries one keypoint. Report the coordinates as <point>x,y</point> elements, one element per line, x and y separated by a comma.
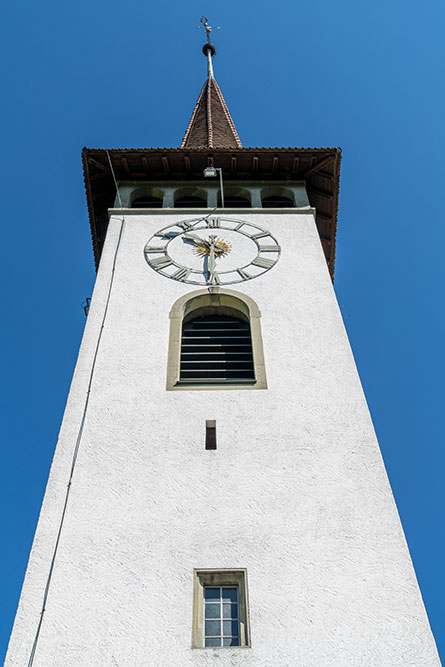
<point>213,223</point>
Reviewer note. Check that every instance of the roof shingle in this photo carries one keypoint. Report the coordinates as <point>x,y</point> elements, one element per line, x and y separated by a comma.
<point>211,125</point>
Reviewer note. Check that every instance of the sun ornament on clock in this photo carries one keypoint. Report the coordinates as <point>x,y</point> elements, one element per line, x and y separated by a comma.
<point>204,247</point>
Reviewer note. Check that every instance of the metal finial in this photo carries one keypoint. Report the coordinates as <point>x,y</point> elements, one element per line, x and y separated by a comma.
<point>208,49</point>
<point>208,28</point>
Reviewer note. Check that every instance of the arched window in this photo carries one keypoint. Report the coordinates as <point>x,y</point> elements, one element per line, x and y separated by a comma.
<point>147,202</point>
<point>190,197</point>
<point>235,198</point>
<point>215,342</point>
<point>277,198</point>
<point>277,202</point>
<point>147,197</point>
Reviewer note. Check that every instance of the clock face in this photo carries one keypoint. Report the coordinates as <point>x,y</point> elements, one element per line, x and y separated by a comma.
<point>212,251</point>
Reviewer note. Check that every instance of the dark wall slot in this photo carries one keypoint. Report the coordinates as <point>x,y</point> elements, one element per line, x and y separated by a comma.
<point>210,434</point>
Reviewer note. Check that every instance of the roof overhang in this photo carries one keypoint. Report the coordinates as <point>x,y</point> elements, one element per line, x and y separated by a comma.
<point>318,167</point>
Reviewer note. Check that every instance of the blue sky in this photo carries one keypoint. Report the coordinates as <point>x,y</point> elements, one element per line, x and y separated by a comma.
<point>364,76</point>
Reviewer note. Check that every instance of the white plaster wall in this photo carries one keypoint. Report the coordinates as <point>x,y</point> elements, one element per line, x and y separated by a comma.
<point>296,491</point>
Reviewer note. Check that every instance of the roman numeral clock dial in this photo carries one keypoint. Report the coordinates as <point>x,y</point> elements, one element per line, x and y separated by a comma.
<point>212,251</point>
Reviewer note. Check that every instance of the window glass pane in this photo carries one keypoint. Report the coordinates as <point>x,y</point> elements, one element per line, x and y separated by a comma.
<point>211,593</point>
<point>231,641</point>
<point>214,611</point>
<point>230,628</point>
<point>230,594</point>
<point>211,641</point>
<point>213,628</point>
<point>229,611</point>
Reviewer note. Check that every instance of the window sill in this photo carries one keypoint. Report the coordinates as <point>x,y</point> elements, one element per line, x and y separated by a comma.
<point>205,386</point>
<point>220,648</point>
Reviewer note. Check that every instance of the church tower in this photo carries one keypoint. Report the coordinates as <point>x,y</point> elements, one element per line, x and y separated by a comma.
<point>217,495</point>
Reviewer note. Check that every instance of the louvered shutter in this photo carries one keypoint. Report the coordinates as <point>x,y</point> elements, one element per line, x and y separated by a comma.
<point>216,348</point>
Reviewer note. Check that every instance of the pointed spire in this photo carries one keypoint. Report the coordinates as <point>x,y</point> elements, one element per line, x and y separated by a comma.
<point>211,125</point>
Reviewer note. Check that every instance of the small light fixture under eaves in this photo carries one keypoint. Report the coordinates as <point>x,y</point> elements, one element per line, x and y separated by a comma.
<point>210,172</point>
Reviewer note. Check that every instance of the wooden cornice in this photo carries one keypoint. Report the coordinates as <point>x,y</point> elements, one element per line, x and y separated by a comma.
<point>318,167</point>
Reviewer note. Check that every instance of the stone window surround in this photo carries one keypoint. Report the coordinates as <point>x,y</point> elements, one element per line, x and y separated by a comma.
<point>172,190</point>
<point>215,297</point>
<point>225,577</point>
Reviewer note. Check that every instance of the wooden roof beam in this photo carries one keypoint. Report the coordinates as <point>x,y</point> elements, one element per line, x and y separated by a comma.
<point>99,165</point>
<point>320,165</point>
<point>100,174</point>
<point>144,161</point>
<point>125,166</point>
<point>324,174</point>
<point>320,193</point>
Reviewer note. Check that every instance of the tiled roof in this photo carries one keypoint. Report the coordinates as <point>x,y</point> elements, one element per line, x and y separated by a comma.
<point>211,125</point>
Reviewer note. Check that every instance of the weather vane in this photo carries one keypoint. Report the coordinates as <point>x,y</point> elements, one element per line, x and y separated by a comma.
<point>208,28</point>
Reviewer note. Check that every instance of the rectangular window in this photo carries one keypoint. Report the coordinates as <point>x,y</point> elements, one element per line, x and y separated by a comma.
<point>220,614</point>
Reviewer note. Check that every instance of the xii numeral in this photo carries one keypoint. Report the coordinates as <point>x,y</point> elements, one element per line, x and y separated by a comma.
<point>213,223</point>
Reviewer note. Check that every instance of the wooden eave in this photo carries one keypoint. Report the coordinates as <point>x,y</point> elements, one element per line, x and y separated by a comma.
<point>318,167</point>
